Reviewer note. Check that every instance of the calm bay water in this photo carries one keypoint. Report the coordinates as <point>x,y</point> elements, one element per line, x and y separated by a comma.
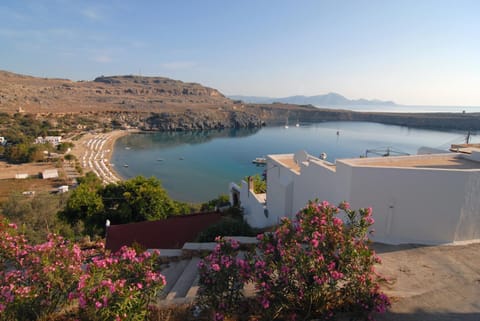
<point>197,166</point>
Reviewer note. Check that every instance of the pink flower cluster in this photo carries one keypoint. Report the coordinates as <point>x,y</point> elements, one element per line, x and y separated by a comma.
<point>317,264</point>
<point>222,275</point>
<point>36,281</point>
<point>118,286</point>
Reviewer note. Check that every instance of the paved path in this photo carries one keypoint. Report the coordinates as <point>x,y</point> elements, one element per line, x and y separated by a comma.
<point>432,282</point>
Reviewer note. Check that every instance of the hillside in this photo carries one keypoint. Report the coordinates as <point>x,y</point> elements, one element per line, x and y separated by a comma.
<point>116,93</point>
<point>158,103</point>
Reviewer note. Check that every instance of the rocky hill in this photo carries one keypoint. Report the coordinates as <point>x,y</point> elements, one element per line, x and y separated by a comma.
<point>117,93</point>
<point>158,103</point>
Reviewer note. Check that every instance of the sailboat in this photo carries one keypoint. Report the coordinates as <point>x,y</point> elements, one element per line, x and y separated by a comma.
<point>298,123</point>
<point>286,124</point>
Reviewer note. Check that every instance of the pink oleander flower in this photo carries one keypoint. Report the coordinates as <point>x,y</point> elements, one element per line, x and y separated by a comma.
<point>13,225</point>
<point>369,220</point>
<point>265,303</point>
<point>337,221</point>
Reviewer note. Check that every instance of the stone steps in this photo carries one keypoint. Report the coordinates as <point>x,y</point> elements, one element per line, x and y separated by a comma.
<point>181,272</point>
<point>185,281</point>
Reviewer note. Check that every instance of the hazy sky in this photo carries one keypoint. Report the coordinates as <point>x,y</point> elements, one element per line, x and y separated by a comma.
<point>411,52</point>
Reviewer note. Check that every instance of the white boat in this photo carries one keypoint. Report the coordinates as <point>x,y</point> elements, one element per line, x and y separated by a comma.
<point>260,161</point>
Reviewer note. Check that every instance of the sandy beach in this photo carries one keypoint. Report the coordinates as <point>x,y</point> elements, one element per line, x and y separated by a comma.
<point>94,152</point>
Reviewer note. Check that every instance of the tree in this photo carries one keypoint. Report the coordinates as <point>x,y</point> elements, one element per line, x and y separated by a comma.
<point>138,199</point>
<point>35,153</point>
<point>17,153</point>
<point>85,206</point>
<point>135,200</point>
<point>63,147</point>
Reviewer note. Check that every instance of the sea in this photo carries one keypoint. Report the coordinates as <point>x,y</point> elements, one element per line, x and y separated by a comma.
<point>411,108</point>
<point>197,166</point>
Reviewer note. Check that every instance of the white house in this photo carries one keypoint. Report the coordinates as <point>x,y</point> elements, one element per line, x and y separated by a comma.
<point>50,173</point>
<point>62,189</point>
<point>54,140</point>
<point>3,141</point>
<point>425,199</point>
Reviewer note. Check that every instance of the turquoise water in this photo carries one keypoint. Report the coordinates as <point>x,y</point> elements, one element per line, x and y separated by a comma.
<point>197,166</point>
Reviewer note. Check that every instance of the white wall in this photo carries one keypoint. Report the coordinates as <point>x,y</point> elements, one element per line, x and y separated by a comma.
<point>468,227</point>
<point>253,208</point>
<point>317,181</point>
<point>410,205</point>
<point>280,187</point>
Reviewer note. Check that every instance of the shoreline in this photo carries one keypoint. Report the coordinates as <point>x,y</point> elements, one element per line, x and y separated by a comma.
<point>94,152</point>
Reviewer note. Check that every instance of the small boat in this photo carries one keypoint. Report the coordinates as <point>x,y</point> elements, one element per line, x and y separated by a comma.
<point>260,161</point>
<point>127,148</point>
<point>160,159</point>
<point>297,125</point>
<point>125,165</point>
<point>181,158</point>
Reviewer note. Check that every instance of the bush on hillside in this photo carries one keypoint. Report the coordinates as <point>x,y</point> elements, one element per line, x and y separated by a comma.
<point>228,226</point>
<point>212,205</point>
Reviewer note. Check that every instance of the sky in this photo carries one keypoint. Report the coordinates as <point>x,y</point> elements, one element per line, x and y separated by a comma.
<point>416,52</point>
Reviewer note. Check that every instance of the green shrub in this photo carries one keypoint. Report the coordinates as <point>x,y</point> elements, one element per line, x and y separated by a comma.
<point>228,226</point>
<point>221,200</point>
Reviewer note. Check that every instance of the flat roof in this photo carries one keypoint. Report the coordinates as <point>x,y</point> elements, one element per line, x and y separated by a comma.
<point>439,161</point>
<point>287,161</point>
<point>448,161</point>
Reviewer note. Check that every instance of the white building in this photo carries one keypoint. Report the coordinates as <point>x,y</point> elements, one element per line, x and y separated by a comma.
<point>62,189</point>
<point>425,199</point>
<point>54,140</point>
<point>50,173</point>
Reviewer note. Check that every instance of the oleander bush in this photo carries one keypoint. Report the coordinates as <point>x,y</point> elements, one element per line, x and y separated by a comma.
<point>45,281</point>
<point>314,267</point>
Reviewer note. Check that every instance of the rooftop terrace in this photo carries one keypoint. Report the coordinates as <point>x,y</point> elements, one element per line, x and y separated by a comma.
<point>438,161</point>
<point>447,161</point>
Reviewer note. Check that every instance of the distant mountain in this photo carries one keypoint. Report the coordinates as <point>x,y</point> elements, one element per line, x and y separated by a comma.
<point>330,99</point>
